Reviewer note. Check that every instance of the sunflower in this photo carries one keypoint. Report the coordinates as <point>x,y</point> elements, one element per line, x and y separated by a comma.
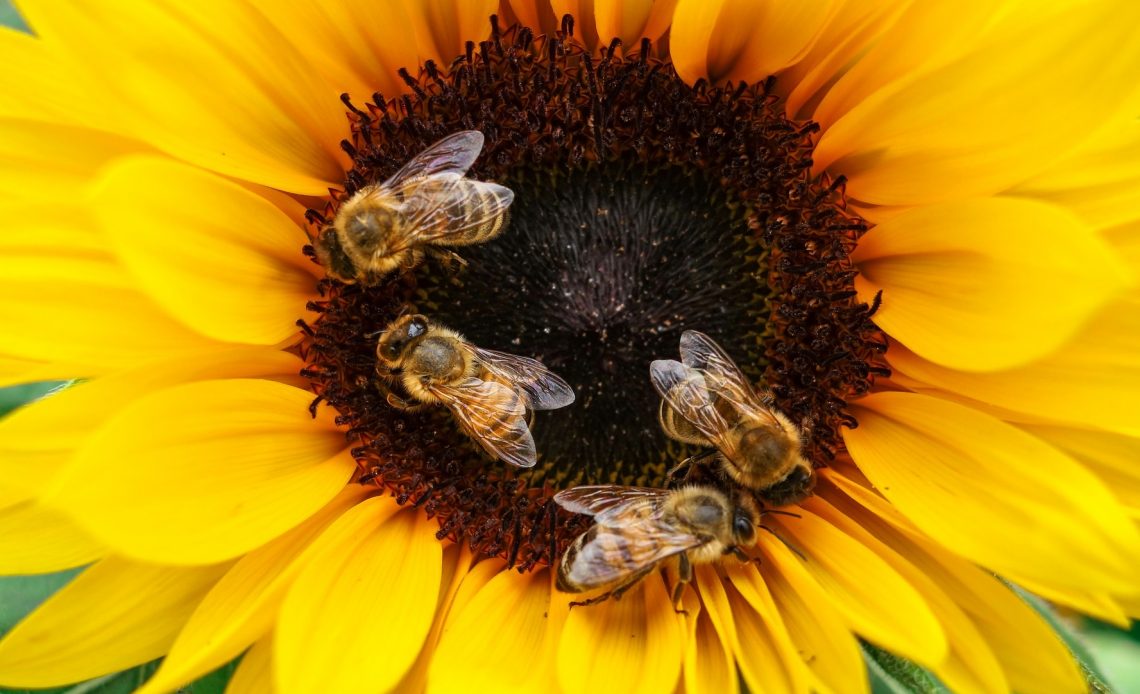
<point>914,222</point>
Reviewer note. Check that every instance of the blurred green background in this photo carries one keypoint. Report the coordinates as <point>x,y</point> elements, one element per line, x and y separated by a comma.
<point>1116,652</point>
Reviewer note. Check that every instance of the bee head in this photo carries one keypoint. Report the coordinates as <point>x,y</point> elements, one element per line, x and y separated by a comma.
<point>795,486</point>
<point>332,257</point>
<point>744,519</point>
<point>403,332</point>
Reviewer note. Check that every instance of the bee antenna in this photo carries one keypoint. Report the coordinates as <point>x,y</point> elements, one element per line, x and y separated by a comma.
<point>780,513</point>
<point>784,542</point>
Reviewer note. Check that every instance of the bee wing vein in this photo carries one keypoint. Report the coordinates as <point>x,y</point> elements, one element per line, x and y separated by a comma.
<point>493,415</point>
<point>542,389</point>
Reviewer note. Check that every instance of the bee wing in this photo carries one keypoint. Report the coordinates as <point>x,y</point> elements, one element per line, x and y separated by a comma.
<point>493,415</point>
<point>611,504</point>
<point>687,391</point>
<point>444,207</point>
<point>613,554</point>
<point>453,154</point>
<point>722,376</point>
<point>542,389</point>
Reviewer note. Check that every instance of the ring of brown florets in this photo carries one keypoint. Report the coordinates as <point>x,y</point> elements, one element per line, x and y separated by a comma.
<point>544,103</point>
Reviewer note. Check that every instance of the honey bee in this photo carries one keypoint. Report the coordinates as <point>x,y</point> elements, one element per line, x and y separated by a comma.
<point>489,393</point>
<point>636,529</point>
<point>426,204</point>
<point>707,401</point>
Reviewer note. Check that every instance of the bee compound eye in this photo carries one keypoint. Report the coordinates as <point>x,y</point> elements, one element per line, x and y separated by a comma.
<point>390,350</point>
<point>743,528</point>
<point>418,326</point>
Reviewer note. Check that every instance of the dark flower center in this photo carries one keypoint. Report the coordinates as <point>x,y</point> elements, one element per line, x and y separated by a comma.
<point>644,207</point>
<point>602,269</point>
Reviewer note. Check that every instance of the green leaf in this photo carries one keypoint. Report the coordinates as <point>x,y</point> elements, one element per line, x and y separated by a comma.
<point>9,17</point>
<point>17,396</point>
<point>1117,651</point>
<point>1094,674</point>
<point>891,674</point>
<point>19,595</point>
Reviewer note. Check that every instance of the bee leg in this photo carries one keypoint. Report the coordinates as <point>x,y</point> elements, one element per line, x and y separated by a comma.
<point>684,578</point>
<point>401,404</point>
<point>686,463</point>
<point>617,591</point>
<point>743,557</point>
<point>450,260</point>
<point>690,463</point>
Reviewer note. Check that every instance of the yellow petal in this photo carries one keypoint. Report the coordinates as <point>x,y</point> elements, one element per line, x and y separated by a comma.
<point>995,494</point>
<point>743,40</point>
<point>969,665</point>
<point>1111,156</point>
<point>878,603</point>
<point>1031,655</point>
<point>1100,206</point>
<point>262,114</point>
<point>855,26</point>
<point>991,118</point>
<point>229,265</point>
<point>1130,604</point>
<point>361,607</point>
<point>827,646</point>
<point>115,615</point>
<point>356,45</point>
<point>709,665</point>
<point>1111,456</point>
<point>536,14</point>
<point>630,645</point>
<point>443,27</point>
<point>35,540</point>
<point>244,604</point>
<point>960,289</point>
<point>715,603</point>
<point>1099,605</point>
<point>230,465</point>
<point>1098,373</point>
<point>35,441</point>
<point>84,310</point>
<point>764,650</point>
<point>1100,180</point>
<point>51,162</point>
<point>925,36</point>
<point>38,83</point>
<point>254,674</point>
<point>17,371</point>
<point>482,640</point>
<point>630,20</point>
<point>458,560</point>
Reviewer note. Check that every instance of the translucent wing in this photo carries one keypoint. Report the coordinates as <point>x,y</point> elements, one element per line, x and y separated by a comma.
<point>493,415</point>
<point>447,209</point>
<point>687,391</point>
<point>612,554</point>
<point>542,389</point>
<point>453,154</point>
<point>613,505</point>
<point>723,377</point>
